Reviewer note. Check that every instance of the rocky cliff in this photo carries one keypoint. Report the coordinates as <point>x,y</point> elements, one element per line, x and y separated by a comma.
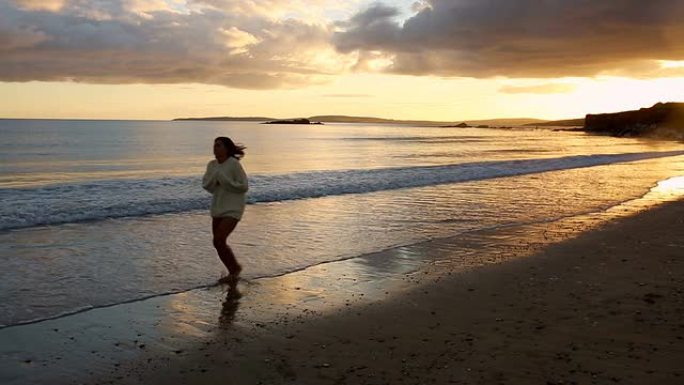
<point>661,120</point>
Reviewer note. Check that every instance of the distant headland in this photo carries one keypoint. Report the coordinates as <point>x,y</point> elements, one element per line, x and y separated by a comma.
<point>663,120</point>
<point>372,120</point>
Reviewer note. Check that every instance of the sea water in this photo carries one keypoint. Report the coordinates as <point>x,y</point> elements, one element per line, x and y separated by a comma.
<point>97,213</point>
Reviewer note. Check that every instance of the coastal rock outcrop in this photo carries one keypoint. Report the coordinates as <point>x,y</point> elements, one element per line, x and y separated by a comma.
<point>292,121</point>
<point>662,120</point>
<point>460,125</point>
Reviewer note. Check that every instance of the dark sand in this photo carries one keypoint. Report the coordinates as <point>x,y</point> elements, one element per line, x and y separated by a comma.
<point>604,308</point>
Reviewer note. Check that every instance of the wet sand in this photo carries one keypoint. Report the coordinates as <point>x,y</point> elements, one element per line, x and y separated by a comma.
<point>592,299</point>
<point>606,307</point>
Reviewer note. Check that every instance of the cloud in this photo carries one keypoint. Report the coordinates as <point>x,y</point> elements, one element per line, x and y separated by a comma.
<point>375,27</point>
<point>147,8</point>
<point>549,88</point>
<point>239,40</point>
<point>520,39</point>
<point>263,44</point>
<point>150,41</point>
<point>276,9</point>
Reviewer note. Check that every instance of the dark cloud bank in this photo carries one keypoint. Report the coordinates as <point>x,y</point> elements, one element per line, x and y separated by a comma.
<point>523,38</point>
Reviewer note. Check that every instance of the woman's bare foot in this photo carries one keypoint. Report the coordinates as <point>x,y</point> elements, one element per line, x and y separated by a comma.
<point>233,275</point>
<point>225,279</point>
<point>236,270</point>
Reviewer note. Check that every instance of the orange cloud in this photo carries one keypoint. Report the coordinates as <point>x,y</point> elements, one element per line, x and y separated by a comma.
<point>144,41</point>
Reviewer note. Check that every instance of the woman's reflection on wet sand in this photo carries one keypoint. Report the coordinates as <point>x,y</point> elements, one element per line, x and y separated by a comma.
<point>230,306</point>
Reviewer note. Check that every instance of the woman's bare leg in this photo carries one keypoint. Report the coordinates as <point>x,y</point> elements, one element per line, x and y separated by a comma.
<point>221,228</point>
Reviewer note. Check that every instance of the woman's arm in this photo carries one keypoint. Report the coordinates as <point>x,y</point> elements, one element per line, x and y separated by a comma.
<point>233,178</point>
<point>209,181</point>
<point>241,178</point>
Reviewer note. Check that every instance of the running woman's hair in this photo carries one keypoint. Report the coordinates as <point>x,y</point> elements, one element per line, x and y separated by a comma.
<point>235,150</point>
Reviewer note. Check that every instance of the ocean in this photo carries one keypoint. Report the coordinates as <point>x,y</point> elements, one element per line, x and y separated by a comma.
<point>99,213</point>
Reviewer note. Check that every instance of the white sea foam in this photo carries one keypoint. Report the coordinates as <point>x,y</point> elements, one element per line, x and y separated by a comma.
<point>89,201</point>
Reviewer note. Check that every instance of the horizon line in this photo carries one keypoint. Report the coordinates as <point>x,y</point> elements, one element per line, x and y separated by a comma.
<point>272,118</point>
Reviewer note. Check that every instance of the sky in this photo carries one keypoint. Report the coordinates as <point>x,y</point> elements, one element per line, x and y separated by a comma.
<point>442,60</point>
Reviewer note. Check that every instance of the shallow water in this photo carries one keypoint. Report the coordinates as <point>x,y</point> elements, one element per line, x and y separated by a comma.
<point>100,213</point>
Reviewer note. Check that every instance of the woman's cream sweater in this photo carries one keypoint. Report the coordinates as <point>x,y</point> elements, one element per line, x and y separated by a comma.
<point>227,183</point>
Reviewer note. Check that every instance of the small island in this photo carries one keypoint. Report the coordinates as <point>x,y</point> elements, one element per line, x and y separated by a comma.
<point>460,125</point>
<point>292,121</point>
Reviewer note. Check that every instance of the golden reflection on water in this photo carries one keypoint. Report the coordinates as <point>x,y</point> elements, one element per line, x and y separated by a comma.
<point>672,187</point>
<point>323,285</point>
<point>186,315</point>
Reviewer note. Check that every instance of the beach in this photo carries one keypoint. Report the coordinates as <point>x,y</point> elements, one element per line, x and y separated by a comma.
<point>587,300</point>
<point>605,307</point>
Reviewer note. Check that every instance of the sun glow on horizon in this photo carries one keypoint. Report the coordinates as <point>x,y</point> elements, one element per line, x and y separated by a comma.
<point>671,188</point>
<point>672,63</point>
<point>386,96</point>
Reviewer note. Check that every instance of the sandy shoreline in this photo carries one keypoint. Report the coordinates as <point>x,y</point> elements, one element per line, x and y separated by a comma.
<point>604,308</point>
<point>523,305</point>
